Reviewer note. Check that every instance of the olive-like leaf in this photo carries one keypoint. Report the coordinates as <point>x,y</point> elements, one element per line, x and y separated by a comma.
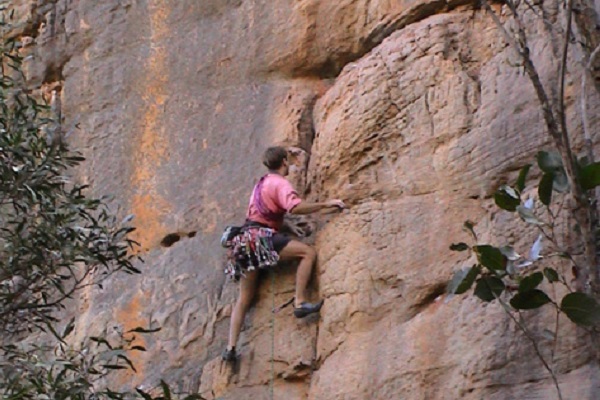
<point>548,334</point>
<point>69,328</point>
<point>520,184</point>
<point>551,274</point>
<point>491,257</point>
<point>560,182</point>
<point>139,329</point>
<point>144,395</point>
<point>463,280</point>
<point>536,249</point>
<point>459,246</point>
<point>581,308</point>
<point>529,300</point>
<point>507,198</point>
<point>114,366</point>
<point>166,390</point>
<point>549,161</point>
<point>510,253</point>
<point>528,216</point>
<point>590,176</point>
<point>545,188</point>
<point>470,227</point>
<point>530,282</point>
<point>488,288</point>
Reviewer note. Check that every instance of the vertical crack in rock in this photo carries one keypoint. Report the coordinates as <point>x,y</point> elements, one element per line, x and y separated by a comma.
<point>384,117</point>
<point>298,107</point>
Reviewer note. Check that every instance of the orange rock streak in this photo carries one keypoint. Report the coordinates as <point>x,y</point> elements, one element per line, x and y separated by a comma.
<point>148,205</point>
<point>130,317</point>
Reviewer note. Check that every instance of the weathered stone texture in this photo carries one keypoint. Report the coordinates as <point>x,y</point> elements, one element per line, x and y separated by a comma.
<point>413,112</point>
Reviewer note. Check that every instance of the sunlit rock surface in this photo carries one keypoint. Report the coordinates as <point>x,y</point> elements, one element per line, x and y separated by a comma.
<point>413,112</point>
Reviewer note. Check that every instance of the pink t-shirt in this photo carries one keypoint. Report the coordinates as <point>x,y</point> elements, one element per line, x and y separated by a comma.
<point>278,196</point>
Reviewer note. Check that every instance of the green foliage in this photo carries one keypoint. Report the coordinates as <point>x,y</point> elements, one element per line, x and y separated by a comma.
<point>590,176</point>
<point>581,309</point>
<point>551,275</point>
<point>507,198</point>
<point>528,216</point>
<point>551,164</point>
<point>517,282</point>
<point>491,257</point>
<point>521,180</point>
<point>459,246</point>
<point>529,300</point>
<point>489,288</point>
<point>549,161</point>
<point>545,189</point>
<point>463,280</point>
<point>469,227</point>
<point>530,282</point>
<point>62,371</point>
<point>55,239</point>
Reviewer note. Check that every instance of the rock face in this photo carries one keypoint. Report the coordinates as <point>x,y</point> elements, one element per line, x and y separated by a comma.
<point>413,112</point>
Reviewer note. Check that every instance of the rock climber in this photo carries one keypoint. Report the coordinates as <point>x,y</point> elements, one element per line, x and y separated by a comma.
<point>273,197</point>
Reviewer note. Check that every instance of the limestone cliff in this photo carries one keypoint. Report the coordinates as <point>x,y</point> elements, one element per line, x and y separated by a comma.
<point>413,112</point>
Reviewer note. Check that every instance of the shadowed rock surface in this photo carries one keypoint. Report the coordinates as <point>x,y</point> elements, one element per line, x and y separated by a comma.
<point>413,112</point>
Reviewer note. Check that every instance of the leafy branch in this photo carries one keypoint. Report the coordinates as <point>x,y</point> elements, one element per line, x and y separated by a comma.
<point>554,115</point>
<point>55,240</point>
<point>501,274</point>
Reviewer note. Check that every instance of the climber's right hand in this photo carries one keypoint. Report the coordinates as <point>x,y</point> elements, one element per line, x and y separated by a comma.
<point>336,203</point>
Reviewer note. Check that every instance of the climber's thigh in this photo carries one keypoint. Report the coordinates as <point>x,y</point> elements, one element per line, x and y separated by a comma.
<point>294,250</point>
<point>248,286</point>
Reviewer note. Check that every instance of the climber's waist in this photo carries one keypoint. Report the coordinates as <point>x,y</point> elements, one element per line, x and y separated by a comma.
<point>248,224</point>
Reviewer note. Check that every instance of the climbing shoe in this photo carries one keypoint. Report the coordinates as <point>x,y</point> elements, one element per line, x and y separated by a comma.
<point>229,355</point>
<point>307,309</point>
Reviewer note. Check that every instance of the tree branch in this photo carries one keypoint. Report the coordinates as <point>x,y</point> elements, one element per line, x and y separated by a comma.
<point>557,129</point>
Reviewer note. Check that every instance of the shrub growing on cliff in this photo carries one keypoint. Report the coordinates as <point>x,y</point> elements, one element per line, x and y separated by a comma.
<point>54,240</point>
<point>516,282</point>
<point>499,273</point>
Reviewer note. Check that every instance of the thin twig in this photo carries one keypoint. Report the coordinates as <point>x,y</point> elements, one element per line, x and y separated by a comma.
<point>587,137</point>
<point>586,123</point>
<point>525,331</point>
<point>556,326</point>
<point>561,82</point>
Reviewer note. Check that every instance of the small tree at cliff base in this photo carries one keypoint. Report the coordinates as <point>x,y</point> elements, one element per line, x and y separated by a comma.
<point>552,107</point>
<point>498,273</point>
<point>501,274</point>
<point>55,240</point>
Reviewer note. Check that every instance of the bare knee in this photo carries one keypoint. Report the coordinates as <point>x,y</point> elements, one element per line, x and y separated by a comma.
<point>310,254</point>
<point>295,250</point>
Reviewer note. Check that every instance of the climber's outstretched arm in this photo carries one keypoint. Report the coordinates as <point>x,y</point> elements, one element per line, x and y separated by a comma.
<point>309,208</point>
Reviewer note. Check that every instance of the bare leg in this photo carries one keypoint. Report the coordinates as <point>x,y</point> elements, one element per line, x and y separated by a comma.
<point>247,290</point>
<point>307,256</point>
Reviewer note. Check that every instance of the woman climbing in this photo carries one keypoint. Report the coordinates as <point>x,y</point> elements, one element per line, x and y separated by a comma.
<point>271,198</point>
